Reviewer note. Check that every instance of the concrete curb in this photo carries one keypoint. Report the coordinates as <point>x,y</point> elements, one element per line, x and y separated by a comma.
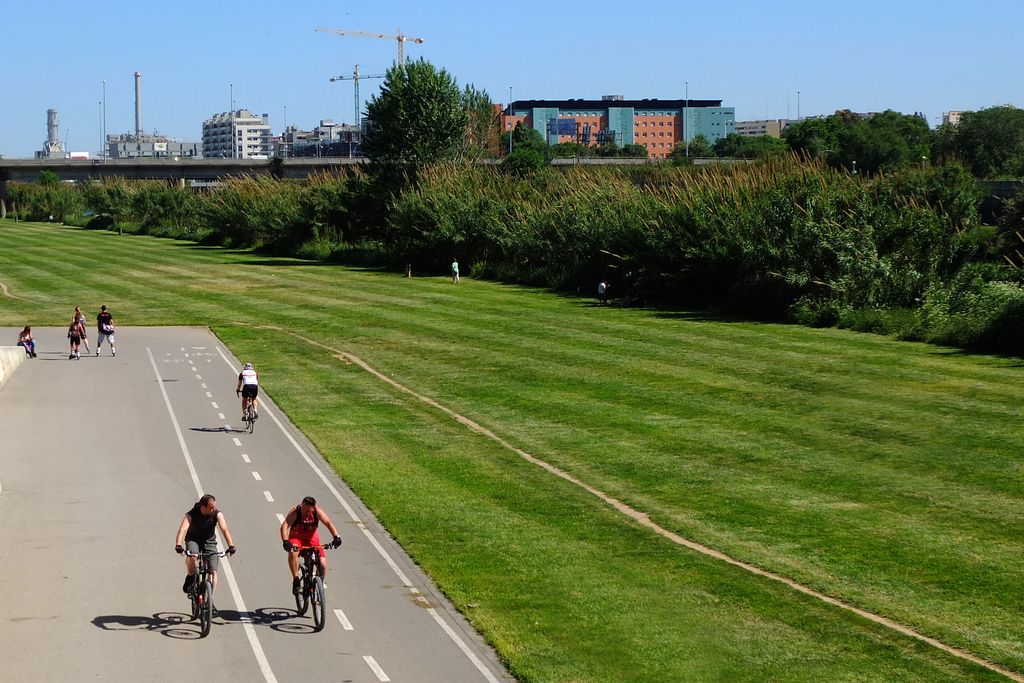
<point>10,358</point>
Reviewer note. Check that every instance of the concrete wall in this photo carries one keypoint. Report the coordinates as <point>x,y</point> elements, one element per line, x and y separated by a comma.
<point>10,358</point>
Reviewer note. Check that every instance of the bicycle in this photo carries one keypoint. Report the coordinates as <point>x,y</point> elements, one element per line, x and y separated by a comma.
<point>249,416</point>
<point>311,585</point>
<point>201,591</point>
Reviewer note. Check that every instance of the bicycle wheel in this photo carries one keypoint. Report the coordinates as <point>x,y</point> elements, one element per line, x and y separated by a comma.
<point>205,608</point>
<point>193,596</point>
<point>319,599</point>
<point>302,597</point>
<point>249,418</point>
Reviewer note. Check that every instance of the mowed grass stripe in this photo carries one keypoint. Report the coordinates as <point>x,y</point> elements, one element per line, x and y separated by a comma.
<point>704,496</point>
<point>443,445</point>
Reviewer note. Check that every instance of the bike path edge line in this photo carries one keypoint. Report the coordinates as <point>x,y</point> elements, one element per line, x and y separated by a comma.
<point>459,642</point>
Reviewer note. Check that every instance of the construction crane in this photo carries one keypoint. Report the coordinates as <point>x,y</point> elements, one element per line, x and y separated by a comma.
<point>355,79</point>
<point>401,38</point>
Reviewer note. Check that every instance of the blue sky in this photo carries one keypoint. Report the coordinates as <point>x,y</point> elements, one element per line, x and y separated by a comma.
<point>908,55</point>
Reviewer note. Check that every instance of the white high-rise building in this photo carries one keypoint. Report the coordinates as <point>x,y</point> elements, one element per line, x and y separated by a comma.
<point>237,135</point>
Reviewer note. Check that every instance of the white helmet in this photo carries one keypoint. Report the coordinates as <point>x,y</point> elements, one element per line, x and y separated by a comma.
<point>248,366</point>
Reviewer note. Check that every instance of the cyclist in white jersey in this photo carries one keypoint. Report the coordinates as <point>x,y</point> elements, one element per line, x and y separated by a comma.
<point>248,386</point>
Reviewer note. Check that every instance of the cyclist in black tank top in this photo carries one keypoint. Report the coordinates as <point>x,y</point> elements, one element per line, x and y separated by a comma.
<point>198,531</point>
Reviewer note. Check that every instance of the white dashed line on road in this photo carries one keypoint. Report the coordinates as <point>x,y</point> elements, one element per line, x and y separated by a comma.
<point>280,518</point>
<point>345,623</point>
<point>204,385</point>
<point>221,416</point>
<point>256,476</point>
<point>229,575</point>
<point>245,457</point>
<point>209,395</point>
<point>198,376</point>
<point>372,663</point>
<point>270,498</point>
<point>237,442</point>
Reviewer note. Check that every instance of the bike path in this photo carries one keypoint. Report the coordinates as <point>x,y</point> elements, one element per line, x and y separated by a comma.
<point>94,479</point>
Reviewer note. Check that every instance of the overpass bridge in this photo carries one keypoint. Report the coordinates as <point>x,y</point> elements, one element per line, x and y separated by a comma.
<point>181,170</point>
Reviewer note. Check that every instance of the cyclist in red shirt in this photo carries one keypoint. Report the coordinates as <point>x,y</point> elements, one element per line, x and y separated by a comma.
<point>299,530</point>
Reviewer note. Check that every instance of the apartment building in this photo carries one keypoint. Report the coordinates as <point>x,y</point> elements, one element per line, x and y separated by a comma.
<point>237,135</point>
<point>656,124</point>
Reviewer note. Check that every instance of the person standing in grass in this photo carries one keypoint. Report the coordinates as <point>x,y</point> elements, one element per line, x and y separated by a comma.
<point>105,330</point>
<point>81,318</point>
<point>455,271</point>
<point>602,292</point>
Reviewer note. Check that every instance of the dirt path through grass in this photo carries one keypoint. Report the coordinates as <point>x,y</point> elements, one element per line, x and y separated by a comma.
<point>6,292</point>
<point>641,517</point>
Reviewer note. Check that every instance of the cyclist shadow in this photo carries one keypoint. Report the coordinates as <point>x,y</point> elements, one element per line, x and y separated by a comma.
<point>170,624</point>
<point>281,619</point>
<point>221,429</point>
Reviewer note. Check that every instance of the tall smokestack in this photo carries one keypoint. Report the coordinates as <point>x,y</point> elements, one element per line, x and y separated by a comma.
<point>52,131</point>
<point>138,104</point>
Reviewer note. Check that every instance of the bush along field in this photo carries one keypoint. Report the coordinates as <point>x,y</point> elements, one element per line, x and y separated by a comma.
<point>786,240</point>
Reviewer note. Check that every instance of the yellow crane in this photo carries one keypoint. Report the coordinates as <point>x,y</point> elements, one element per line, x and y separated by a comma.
<point>355,79</point>
<point>401,38</point>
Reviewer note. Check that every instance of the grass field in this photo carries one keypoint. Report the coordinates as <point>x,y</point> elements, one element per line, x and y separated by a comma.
<point>883,473</point>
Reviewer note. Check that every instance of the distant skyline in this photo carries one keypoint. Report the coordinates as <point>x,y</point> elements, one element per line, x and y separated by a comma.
<point>907,55</point>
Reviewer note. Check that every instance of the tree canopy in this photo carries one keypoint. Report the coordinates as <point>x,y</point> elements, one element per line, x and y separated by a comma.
<point>418,118</point>
<point>881,142</point>
<point>989,141</point>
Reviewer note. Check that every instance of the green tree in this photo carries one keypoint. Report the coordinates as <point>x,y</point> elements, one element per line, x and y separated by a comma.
<point>815,138</point>
<point>49,178</point>
<point>524,137</point>
<point>483,128</point>
<point>883,142</point>
<point>990,142</point>
<point>634,151</point>
<point>418,118</point>
<point>743,147</point>
<point>699,147</point>
<point>565,150</point>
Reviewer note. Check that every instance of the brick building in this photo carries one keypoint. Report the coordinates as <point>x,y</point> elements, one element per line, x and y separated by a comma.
<point>656,124</point>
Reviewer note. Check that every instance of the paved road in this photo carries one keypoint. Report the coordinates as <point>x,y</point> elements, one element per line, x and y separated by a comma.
<point>99,460</point>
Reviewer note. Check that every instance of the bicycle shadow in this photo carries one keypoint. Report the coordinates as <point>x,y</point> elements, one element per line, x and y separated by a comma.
<point>279,619</point>
<point>165,623</point>
<point>221,429</point>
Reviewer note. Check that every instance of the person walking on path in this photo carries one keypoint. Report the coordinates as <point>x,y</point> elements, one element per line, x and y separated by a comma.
<point>455,271</point>
<point>105,330</point>
<point>25,339</point>
<point>85,337</point>
<point>75,334</point>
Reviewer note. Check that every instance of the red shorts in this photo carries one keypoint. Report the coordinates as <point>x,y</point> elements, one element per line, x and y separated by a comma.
<point>306,542</point>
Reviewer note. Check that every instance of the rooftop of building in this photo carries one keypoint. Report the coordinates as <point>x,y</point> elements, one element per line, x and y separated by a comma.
<point>605,104</point>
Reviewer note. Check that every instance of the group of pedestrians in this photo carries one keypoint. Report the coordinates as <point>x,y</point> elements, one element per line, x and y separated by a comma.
<point>104,332</point>
<point>77,335</point>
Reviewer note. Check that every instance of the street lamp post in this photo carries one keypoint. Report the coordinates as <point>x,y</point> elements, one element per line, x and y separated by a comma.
<point>104,100</point>
<point>510,122</point>
<point>686,116</point>
<point>797,105</point>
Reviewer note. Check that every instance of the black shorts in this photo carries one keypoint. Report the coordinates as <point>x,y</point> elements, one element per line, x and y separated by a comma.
<point>250,391</point>
<point>75,339</point>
